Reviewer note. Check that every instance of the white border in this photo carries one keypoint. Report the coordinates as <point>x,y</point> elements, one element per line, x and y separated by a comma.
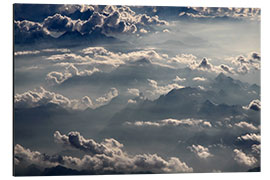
<point>6,84</point>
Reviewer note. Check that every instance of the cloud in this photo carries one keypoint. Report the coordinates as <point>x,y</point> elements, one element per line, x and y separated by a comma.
<point>40,97</point>
<point>250,137</point>
<point>177,79</point>
<point>245,125</point>
<point>58,23</point>
<point>200,151</point>
<point>107,97</point>
<point>27,31</point>
<point>147,20</point>
<point>173,122</point>
<point>183,59</point>
<point>242,158</point>
<point>132,101</point>
<point>109,154</point>
<point>227,69</point>
<point>256,148</point>
<point>108,147</point>
<point>199,79</point>
<point>143,31</point>
<point>18,53</point>
<point>134,91</point>
<point>70,71</point>
<point>254,105</point>
<point>246,63</point>
<point>96,20</point>
<point>158,90</point>
<point>221,13</point>
<point>29,157</point>
<point>110,20</point>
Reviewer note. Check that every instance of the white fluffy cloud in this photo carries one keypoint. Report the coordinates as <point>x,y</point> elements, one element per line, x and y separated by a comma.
<point>245,125</point>
<point>242,158</point>
<point>99,157</point>
<point>107,97</point>
<point>173,122</point>
<point>200,151</point>
<point>245,64</point>
<point>55,77</point>
<point>250,137</point>
<point>40,96</point>
<point>134,91</point>
<point>213,12</point>
<point>158,90</point>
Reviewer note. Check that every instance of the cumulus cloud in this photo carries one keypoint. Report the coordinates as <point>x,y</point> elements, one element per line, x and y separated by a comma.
<point>109,155</point>
<point>173,122</point>
<point>227,69</point>
<point>113,92</point>
<point>245,125</point>
<point>58,23</point>
<point>40,96</point>
<point>158,90</point>
<point>192,62</point>
<point>55,77</point>
<point>99,55</point>
<point>110,20</point>
<point>134,91</point>
<point>27,31</point>
<point>245,64</point>
<point>183,59</point>
<point>200,151</point>
<point>242,158</point>
<point>29,157</point>
<point>250,137</point>
<point>213,13</point>
<point>254,105</point>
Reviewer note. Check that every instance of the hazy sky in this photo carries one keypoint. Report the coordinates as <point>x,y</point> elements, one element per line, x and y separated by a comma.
<point>118,89</point>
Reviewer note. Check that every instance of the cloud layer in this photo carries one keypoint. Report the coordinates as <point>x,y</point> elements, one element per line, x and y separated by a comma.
<point>41,97</point>
<point>100,157</point>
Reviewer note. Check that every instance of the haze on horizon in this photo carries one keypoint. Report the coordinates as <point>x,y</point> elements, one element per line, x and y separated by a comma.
<point>135,89</point>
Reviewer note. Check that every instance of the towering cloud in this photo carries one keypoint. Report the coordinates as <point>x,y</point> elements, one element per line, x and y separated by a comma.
<point>242,158</point>
<point>100,157</point>
<point>58,23</point>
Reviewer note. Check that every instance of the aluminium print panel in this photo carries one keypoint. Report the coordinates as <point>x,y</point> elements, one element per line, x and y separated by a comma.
<point>135,89</point>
